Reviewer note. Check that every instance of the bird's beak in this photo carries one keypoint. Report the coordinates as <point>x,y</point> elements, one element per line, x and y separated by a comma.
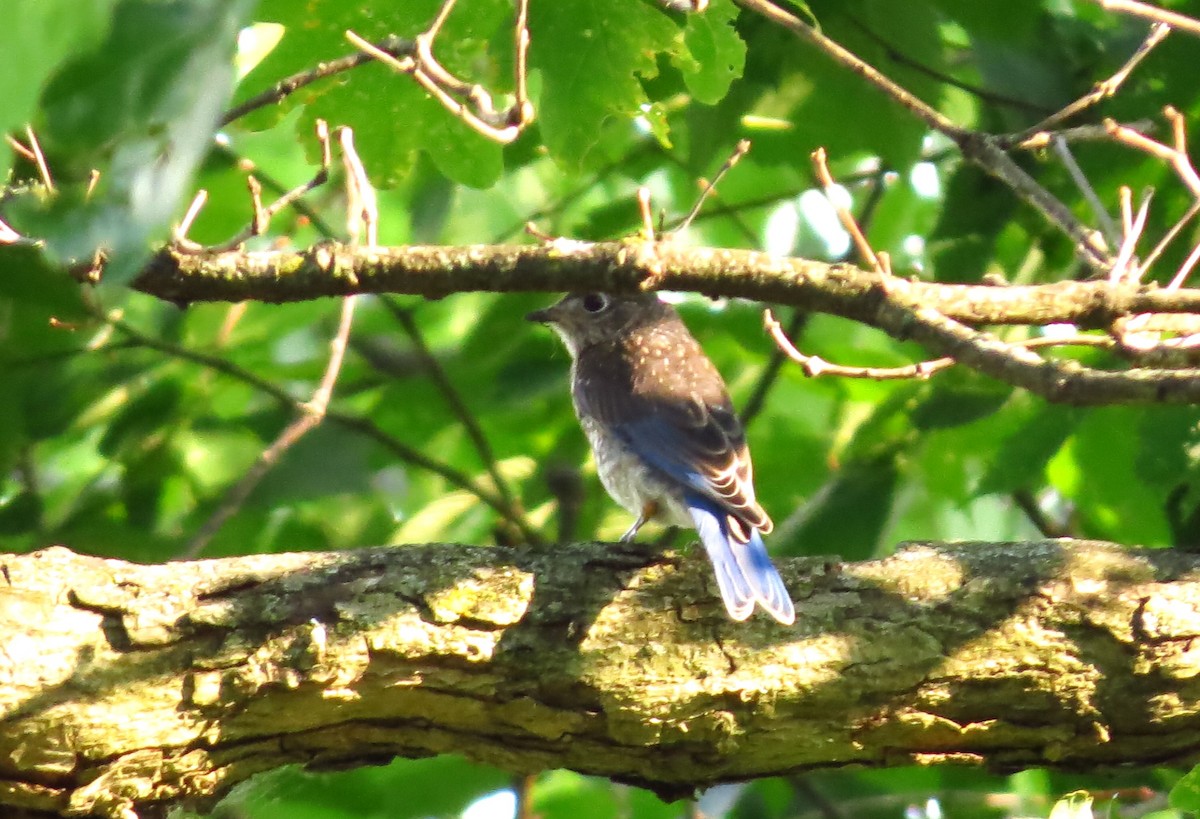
<point>547,315</point>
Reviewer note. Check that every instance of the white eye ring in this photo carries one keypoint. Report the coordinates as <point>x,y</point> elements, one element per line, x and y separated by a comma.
<point>594,302</point>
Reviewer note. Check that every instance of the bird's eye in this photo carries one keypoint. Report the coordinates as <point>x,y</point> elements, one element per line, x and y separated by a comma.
<point>595,302</point>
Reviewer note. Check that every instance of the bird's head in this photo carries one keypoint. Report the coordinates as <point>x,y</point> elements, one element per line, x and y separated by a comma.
<point>584,319</point>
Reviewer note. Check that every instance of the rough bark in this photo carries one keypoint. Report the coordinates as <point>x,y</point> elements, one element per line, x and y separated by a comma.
<point>840,289</point>
<point>125,687</point>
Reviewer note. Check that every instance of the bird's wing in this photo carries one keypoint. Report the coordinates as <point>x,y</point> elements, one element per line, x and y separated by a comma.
<point>696,442</point>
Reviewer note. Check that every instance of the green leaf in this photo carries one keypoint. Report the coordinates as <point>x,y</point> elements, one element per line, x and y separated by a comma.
<point>1185,795</point>
<point>142,110</point>
<point>956,401</point>
<point>392,116</point>
<point>715,54</point>
<point>847,517</point>
<point>1026,452</point>
<point>141,417</point>
<point>590,56</point>
<point>37,36</point>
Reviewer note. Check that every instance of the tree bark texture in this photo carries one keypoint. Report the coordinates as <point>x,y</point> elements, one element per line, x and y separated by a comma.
<point>126,688</point>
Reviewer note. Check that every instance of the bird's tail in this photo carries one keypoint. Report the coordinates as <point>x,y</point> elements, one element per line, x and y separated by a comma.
<point>745,574</point>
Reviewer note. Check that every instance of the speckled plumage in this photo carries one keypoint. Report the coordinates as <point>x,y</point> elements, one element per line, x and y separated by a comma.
<point>666,439</point>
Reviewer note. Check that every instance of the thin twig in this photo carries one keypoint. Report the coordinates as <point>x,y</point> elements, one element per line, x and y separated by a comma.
<point>1107,226</point>
<point>1170,235</point>
<point>1048,528</point>
<point>524,790</point>
<point>815,366</point>
<point>1175,156</point>
<point>849,223</point>
<point>982,149</point>
<point>16,145</point>
<point>899,57</point>
<point>740,150</point>
<point>643,200</point>
<point>40,159</point>
<point>179,236</point>
<point>1094,132</point>
<point>310,415</point>
<point>433,368</point>
<point>262,215</point>
<point>1149,12</point>
<point>758,398</point>
<point>522,111</point>
<point>394,46</point>
<point>313,411</point>
<point>364,426</point>
<point>1125,268</point>
<point>8,236</point>
<point>1101,90</point>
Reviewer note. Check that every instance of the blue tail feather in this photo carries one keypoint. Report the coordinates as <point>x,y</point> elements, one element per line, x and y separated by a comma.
<point>745,574</point>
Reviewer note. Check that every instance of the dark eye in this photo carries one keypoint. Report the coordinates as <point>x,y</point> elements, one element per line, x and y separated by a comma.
<point>595,302</point>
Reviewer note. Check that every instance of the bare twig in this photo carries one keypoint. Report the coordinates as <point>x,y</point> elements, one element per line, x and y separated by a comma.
<point>982,149</point>
<point>815,366</point>
<point>21,150</point>
<point>179,235</point>
<point>1176,156</point>
<point>643,200</point>
<point>8,236</point>
<point>458,406</point>
<point>470,103</point>
<point>364,426</point>
<point>40,159</point>
<point>394,46</point>
<point>1149,12</point>
<point>849,223</point>
<point>1170,235</point>
<point>360,207</point>
<point>1100,91</point>
<point>1107,226</point>
<point>1079,133</point>
<point>1028,505</point>
<point>1126,268</point>
<point>262,216</point>
<point>311,413</point>
<point>740,150</point>
<point>758,398</point>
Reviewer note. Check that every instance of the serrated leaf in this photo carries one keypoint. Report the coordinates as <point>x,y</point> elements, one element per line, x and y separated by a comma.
<point>715,54</point>
<point>391,115</point>
<point>591,56</point>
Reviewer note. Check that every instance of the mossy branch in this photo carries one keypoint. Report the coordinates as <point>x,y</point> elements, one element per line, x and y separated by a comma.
<point>127,688</point>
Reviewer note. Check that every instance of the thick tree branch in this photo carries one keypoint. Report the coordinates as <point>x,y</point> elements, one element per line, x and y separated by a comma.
<point>127,687</point>
<point>437,271</point>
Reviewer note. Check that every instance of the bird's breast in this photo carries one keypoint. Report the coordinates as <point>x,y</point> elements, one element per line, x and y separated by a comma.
<point>629,479</point>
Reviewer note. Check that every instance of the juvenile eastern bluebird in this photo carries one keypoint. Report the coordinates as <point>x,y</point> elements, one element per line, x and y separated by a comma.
<point>665,436</point>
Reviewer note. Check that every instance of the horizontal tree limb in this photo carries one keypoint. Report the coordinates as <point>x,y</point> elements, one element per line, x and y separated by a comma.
<point>436,271</point>
<point>126,688</point>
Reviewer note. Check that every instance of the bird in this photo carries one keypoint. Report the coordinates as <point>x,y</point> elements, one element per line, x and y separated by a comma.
<point>665,437</point>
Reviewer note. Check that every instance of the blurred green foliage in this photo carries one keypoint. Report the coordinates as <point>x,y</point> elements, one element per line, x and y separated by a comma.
<point>123,439</point>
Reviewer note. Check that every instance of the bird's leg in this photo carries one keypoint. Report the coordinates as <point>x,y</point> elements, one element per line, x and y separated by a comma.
<point>649,510</point>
